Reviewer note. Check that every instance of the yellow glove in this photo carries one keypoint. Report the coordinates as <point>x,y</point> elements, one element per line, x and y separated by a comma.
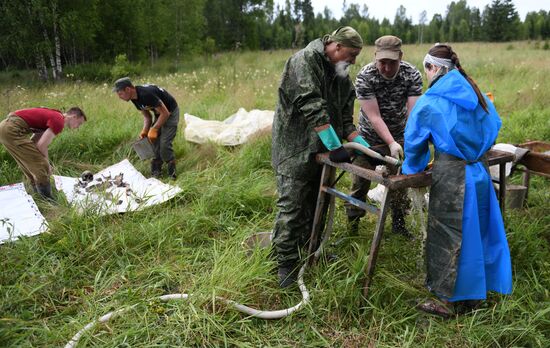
<point>143,133</point>
<point>153,134</point>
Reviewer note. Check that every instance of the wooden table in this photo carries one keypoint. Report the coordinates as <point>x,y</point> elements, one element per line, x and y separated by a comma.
<point>327,194</point>
<point>535,162</point>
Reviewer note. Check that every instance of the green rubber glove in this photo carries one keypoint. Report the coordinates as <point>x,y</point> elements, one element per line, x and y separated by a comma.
<point>329,138</point>
<point>360,140</point>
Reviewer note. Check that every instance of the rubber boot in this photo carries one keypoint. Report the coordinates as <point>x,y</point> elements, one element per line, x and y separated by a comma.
<point>172,169</point>
<point>398,224</point>
<point>45,191</point>
<point>156,168</point>
<point>287,273</point>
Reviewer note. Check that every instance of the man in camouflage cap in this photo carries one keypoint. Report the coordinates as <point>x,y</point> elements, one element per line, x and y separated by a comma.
<point>387,90</point>
<point>314,112</point>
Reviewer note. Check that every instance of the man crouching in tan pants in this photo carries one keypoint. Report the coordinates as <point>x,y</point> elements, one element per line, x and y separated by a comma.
<point>31,152</point>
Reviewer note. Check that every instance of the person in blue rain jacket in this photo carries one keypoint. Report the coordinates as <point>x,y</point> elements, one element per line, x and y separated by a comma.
<point>467,252</point>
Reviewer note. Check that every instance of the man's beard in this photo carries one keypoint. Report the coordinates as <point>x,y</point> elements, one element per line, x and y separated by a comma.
<point>342,69</point>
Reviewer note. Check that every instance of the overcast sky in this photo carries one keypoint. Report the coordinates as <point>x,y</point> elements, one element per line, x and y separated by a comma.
<point>387,8</point>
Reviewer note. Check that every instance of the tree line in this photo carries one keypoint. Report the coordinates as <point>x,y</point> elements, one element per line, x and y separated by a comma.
<point>48,35</point>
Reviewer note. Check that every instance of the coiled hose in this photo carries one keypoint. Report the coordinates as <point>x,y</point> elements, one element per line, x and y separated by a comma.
<point>257,313</point>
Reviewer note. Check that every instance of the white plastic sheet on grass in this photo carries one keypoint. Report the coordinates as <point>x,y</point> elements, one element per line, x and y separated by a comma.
<point>19,215</point>
<point>139,193</point>
<point>237,129</point>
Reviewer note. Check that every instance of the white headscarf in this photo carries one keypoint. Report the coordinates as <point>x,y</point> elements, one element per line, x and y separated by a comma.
<point>441,62</point>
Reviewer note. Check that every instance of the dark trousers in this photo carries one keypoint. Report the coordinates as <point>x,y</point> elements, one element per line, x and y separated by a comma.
<point>294,221</point>
<point>163,147</point>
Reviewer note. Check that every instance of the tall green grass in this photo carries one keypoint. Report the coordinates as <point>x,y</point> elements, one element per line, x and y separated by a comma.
<point>85,266</point>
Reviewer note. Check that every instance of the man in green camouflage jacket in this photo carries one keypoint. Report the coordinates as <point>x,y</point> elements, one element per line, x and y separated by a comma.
<point>314,112</point>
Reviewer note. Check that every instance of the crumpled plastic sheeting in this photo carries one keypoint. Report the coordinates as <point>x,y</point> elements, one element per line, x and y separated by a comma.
<point>518,153</point>
<point>237,129</point>
<point>19,215</point>
<point>376,194</point>
<point>135,193</point>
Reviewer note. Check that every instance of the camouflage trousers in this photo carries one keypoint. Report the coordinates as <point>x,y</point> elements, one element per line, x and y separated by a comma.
<point>294,221</point>
<point>399,202</point>
<point>15,136</point>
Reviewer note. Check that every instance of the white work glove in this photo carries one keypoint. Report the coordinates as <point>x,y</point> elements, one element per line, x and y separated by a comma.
<point>396,150</point>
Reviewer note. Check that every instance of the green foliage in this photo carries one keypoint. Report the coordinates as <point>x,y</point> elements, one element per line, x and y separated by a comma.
<point>501,21</point>
<point>56,37</point>
<point>7,166</point>
<point>532,121</point>
<point>123,67</point>
<point>209,46</point>
<point>93,72</point>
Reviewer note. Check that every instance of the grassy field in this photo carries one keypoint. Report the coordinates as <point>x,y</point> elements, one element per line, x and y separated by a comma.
<point>85,266</point>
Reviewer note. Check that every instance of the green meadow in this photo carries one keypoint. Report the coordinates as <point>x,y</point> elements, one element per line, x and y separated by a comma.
<point>53,284</point>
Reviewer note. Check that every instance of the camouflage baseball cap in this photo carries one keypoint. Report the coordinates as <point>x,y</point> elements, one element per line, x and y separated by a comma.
<point>346,36</point>
<point>388,47</point>
<point>122,83</point>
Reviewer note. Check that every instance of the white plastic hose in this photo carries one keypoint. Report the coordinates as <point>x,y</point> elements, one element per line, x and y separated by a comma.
<point>257,313</point>
<point>356,146</point>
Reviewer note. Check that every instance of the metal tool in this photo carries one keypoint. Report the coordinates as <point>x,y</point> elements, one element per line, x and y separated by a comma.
<point>144,149</point>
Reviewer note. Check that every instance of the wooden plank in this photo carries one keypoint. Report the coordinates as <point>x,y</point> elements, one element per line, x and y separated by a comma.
<point>536,146</point>
<point>537,163</point>
<point>327,177</point>
<point>499,157</point>
<point>422,179</point>
<point>375,245</point>
<point>535,160</point>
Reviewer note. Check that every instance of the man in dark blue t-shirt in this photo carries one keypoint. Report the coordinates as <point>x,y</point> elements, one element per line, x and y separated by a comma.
<point>160,129</point>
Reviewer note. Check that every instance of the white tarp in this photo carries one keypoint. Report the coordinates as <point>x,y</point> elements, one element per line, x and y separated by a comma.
<point>19,215</point>
<point>235,130</point>
<point>376,194</point>
<point>516,151</point>
<point>116,189</point>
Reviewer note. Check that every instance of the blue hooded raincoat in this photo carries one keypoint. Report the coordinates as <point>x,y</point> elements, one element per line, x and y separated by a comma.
<point>449,116</point>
